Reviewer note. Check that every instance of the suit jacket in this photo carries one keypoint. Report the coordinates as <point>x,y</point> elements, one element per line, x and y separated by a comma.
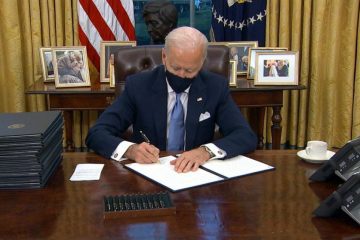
<point>143,103</point>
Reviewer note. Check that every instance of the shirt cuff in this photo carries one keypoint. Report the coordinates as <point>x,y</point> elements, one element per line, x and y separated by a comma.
<point>218,152</point>
<point>120,151</point>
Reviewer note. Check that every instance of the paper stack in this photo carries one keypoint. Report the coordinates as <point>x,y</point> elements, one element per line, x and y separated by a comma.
<point>30,148</point>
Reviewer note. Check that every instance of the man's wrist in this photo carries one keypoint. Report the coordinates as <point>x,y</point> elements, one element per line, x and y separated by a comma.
<point>119,152</point>
<point>128,153</point>
<point>211,154</point>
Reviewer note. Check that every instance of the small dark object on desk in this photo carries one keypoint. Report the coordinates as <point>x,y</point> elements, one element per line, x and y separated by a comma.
<point>138,205</point>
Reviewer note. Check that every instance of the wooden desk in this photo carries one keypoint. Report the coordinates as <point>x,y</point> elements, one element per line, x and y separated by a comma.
<point>271,205</point>
<point>100,96</point>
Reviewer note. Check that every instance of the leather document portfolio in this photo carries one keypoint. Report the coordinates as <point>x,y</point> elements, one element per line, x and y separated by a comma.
<point>30,148</point>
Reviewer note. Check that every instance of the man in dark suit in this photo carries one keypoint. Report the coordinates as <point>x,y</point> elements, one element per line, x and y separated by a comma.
<point>148,101</point>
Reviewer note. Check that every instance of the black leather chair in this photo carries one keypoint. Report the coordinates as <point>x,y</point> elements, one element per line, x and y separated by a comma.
<point>144,58</point>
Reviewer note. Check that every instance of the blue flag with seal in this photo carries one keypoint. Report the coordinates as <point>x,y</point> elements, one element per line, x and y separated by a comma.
<point>239,20</point>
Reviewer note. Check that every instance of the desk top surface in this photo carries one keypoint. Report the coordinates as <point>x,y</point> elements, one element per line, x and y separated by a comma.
<point>275,204</point>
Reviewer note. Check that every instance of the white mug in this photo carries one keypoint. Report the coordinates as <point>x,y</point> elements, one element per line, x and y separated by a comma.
<point>316,149</point>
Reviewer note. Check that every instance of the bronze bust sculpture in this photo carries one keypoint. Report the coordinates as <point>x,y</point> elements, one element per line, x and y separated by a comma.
<point>160,17</point>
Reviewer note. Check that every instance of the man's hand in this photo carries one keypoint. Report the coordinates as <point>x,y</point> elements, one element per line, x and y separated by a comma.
<point>143,153</point>
<point>191,160</point>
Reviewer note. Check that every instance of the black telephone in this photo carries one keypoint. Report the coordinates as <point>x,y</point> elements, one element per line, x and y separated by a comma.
<point>346,198</point>
<point>344,163</point>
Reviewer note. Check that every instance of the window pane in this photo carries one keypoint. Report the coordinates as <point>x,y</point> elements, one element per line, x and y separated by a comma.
<point>202,18</point>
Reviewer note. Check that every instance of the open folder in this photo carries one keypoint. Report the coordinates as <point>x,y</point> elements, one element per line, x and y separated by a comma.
<point>212,171</point>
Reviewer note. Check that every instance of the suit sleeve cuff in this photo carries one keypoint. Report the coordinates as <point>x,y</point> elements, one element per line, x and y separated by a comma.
<point>120,150</point>
<point>218,152</point>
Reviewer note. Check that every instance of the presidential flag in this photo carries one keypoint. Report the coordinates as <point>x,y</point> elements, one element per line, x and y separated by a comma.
<point>239,20</point>
<point>104,20</point>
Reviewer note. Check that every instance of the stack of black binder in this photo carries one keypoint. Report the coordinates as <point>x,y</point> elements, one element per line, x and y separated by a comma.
<point>30,148</point>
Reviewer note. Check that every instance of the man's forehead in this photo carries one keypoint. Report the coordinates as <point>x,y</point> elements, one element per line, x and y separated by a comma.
<point>189,65</point>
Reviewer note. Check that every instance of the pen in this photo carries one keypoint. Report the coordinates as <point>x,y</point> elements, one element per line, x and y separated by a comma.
<point>115,203</point>
<point>143,201</point>
<point>146,139</point>
<point>144,136</point>
<point>111,203</point>
<point>127,205</point>
<point>132,202</point>
<point>137,199</point>
<point>155,199</point>
<point>107,205</point>
<point>149,202</point>
<point>121,203</point>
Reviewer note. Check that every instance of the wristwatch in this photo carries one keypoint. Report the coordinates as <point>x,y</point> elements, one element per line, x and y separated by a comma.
<point>209,151</point>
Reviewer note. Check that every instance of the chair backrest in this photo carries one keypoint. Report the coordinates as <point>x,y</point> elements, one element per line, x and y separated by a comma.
<point>130,60</point>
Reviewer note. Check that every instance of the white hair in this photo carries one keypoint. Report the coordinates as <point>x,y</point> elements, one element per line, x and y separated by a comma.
<point>186,38</point>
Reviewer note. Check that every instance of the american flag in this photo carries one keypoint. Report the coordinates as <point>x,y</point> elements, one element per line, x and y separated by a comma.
<point>239,20</point>
<point>104,20</point>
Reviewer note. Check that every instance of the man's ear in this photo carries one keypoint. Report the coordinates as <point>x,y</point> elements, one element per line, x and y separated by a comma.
<point>163,56</point>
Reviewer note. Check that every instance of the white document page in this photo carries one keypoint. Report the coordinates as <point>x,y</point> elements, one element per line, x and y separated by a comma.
<point>87,171</point>
<point>236,166</point>
<point>165,174</point>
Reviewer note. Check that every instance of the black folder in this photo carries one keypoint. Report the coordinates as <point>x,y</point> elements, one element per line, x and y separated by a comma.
<point>30,148</point>
<point>27,125</point>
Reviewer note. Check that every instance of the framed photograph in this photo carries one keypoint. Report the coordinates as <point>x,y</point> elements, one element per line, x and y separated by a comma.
<point>107,54</point>
<point>71,67</point>
<point>252,52</point>
<point>47,64</point>
<point>239,51</point>
<point>276,68</point>
<point>233,74</point>
<point>219,43</point>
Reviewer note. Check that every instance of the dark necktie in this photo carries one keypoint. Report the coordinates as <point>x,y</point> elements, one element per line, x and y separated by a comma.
<point>176,127</point>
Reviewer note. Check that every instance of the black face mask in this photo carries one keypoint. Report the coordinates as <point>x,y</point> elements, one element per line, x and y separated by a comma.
<point>178,84</point>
